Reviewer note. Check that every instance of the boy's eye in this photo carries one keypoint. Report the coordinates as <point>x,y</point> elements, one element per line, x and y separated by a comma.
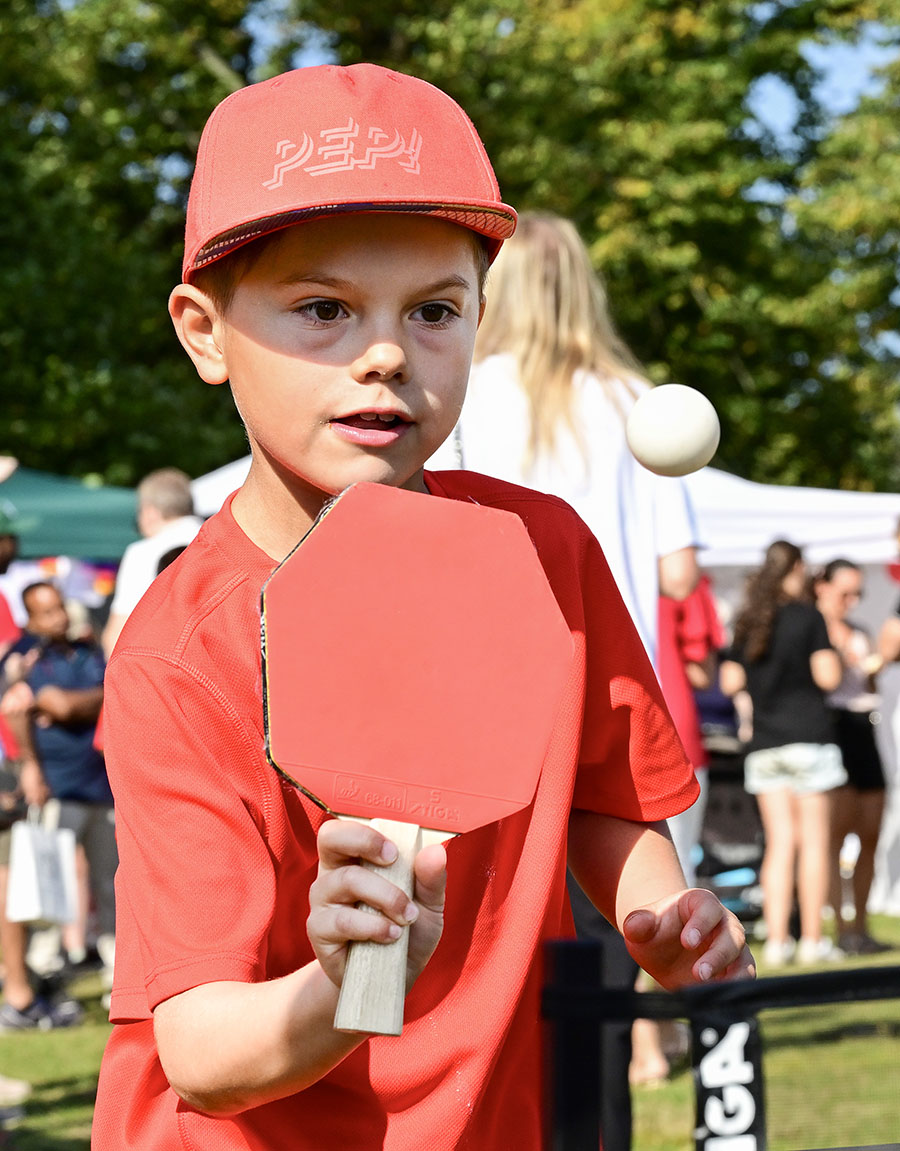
<point>322,310</point>
<point>434,313</point>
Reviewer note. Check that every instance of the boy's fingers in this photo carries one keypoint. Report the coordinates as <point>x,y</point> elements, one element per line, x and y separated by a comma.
<point>335,919</point>
<point>701,914</point>
<point>695,924</point>
<point>352,884</point>
<point>355,923</point>
<point>743,967</point>
<point>720,963</point>
<point>331,929</point>
<point>430,872</point>
<point>640,926</point>
<point>706,919</point>
<point>727,954</point>
<point>718,934</point>
<point>343,839</point>
<point>674,918</point>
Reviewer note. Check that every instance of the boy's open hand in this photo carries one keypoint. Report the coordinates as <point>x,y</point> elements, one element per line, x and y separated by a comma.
<point>335,920</point>
<point>688,938</point>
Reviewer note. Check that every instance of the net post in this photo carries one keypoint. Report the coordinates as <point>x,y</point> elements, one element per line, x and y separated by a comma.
<point>572,1046</point>
<point>727,1064</point>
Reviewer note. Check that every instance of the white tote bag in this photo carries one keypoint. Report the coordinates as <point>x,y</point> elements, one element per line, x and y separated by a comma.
<point>42,886</point>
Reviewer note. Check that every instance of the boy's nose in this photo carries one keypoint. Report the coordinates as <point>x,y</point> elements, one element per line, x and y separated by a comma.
<point>379,362</point>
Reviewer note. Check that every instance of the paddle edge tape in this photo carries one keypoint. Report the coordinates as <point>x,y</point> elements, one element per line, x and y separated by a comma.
<point>323,512</point>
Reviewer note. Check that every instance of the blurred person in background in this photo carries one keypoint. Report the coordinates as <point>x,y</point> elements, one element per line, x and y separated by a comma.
<point>782,656</point>
<point>859,805</point>
<point>690,639</point>
<point>166,520</point>
<point>52,699</point>
<point>13,936</point>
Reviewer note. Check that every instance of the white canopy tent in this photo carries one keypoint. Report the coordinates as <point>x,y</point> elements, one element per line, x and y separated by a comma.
<point>737,520</point>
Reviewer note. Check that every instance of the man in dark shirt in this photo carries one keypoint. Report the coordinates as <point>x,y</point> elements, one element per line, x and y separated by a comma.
<point>52,702</point>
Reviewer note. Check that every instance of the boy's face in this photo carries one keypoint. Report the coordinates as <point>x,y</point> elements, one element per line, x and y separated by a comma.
<point>348,345</point>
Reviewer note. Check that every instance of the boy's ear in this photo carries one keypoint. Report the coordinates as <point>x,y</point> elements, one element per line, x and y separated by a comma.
<point>199,325</point>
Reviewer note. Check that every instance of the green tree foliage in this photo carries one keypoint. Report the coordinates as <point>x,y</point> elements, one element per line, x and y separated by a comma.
<point>730,258</point>
<point>846,206</point>
<point>762,270</point>
<point>101,105</point>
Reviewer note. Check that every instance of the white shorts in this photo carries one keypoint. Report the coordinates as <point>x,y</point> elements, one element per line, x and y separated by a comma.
<point>804,768</point>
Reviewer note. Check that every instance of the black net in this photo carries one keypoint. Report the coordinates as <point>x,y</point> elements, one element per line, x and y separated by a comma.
<point>809,1062</point>
<point>831,1075</point>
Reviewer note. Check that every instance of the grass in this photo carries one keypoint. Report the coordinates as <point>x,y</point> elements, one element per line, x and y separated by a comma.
<point>842,1062</point>
<point>62,1067</point>
<point>831,1076</point>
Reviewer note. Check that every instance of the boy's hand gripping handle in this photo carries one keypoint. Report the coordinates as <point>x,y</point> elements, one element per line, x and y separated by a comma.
<point>373,990</point>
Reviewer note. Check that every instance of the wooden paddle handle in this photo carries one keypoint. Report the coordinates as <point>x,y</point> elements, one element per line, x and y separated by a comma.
<point>373,991</point>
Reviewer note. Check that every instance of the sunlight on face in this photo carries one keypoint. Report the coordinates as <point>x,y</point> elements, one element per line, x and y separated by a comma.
<point>348,345</point>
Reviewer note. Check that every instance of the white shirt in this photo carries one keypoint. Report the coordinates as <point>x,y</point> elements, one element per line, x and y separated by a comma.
<point>140,562</point>
<point>637,516</point>
<point>854,691</point>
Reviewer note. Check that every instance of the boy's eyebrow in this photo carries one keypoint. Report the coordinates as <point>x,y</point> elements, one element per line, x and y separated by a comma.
<point>337,284</point>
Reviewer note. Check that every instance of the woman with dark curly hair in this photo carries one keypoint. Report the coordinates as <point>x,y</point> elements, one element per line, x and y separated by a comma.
<point>782,656</point>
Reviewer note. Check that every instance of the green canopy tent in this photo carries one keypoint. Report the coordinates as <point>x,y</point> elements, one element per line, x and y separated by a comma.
<point>57,515</point>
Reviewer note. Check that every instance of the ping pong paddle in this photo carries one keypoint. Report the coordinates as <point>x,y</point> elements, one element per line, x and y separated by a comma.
<point>414,657</point>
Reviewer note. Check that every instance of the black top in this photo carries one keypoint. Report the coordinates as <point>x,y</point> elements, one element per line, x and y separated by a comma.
<point>788,707</point>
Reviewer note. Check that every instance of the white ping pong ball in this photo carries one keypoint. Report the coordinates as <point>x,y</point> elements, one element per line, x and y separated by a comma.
<point>672,430</point>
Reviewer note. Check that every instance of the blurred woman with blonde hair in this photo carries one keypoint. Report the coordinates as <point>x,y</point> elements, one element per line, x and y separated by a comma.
<point>550,389</point>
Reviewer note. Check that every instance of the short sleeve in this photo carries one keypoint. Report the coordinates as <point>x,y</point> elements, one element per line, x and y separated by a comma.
<point>819,640</point>
<point>196,883</point>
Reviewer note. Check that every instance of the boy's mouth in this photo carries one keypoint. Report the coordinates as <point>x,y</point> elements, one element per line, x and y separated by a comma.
<point>371,429</point>
<point>372,421</point>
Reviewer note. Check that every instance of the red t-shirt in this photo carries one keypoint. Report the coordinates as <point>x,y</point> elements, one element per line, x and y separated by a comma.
<point>217,855</point>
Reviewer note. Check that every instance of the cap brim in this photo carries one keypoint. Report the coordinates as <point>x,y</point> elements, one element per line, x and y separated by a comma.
<point>495,222</point>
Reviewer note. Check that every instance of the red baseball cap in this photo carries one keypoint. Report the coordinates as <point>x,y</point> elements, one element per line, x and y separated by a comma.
<point>325,140</point>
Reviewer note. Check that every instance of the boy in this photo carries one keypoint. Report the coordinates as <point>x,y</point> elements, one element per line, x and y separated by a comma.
<point>339,228</point>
